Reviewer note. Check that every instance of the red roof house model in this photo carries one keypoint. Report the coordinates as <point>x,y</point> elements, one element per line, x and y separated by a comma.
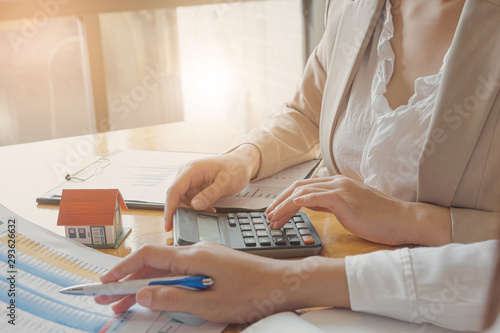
<point>92,216</point>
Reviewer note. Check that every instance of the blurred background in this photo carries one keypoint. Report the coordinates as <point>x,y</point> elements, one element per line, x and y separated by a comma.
<point>74,67</point>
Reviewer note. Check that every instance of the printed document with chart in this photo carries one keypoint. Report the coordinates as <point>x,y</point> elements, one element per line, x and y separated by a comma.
<point>37,263</point>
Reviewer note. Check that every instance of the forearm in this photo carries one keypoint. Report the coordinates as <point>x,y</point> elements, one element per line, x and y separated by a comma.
<point>317,281</point>
<point>250,155</point>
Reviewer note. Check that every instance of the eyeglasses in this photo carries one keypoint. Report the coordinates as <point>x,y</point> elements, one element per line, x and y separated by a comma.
<point>90,170</point>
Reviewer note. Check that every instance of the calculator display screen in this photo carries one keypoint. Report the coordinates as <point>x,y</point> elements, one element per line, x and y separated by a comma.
<point>208,229</point>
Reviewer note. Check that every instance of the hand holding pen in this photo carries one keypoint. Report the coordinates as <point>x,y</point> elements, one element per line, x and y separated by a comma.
<point>242,282</point>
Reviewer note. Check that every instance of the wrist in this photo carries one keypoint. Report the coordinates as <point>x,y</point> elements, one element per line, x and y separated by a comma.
<point>316,282</point>
<point>250,155</point>
<point>429,224</point>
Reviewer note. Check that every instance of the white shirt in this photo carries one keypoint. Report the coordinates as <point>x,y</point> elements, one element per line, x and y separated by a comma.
<point>446,286</point>
<point>374,143</point>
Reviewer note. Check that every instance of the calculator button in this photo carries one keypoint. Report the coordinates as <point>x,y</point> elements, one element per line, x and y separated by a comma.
<point>247,233</point>
<point>290,232</point>
<point>301,225</point>
<point>257,220</point>
<point>230,215</point>
<point>288,226</point>
<point>308,239</point>
<point>276,233</point>
<point>298,219</point>
<point>250,241</point>
<point>232,222</point>
<point>255,214</point>
<point>242,215</point>
<point>260,227</point>
<point>246,227</point>
<point>261,233</point>
<point>303,232</point>
<point>244,221</point>
<point>279,240</point>
<point>294,240</point>
<point>264,241</point>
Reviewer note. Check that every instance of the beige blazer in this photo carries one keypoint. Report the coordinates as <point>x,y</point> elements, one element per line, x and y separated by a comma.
<point>460,165</point>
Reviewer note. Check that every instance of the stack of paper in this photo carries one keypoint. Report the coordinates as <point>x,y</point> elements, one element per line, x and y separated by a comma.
<point>37,263</point>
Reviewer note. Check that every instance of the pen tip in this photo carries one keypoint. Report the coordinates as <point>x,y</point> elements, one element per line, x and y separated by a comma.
<point>70,290</point>
<point>208,282</point>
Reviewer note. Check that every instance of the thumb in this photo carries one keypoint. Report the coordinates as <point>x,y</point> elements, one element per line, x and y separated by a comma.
<point>172,299</point>
<point>212,193</point>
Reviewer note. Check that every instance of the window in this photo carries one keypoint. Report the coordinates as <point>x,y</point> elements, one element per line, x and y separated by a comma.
<point>45,89</point>
<point>72,70</point>
<point>82,233</point>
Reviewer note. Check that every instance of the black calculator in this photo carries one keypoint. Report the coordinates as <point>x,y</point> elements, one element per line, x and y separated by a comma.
<point>249,232</point>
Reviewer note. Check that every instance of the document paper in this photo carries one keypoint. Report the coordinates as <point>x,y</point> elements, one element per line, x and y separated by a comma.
<point>36,263</point>
<point>143,177</point>
<point>261,193</point>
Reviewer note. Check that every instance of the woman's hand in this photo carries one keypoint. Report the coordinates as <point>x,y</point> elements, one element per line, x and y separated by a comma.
<point>200,183</point>
<point>246,288</point>
<point>365,211</point>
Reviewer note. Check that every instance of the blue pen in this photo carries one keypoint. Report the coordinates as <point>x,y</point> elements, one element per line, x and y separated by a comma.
<point>199,282</point>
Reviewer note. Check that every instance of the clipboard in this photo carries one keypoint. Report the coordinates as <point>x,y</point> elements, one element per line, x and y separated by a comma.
<point>143,177</point>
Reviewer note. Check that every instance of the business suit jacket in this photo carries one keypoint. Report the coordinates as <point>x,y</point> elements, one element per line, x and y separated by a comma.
<point>460,165</point>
